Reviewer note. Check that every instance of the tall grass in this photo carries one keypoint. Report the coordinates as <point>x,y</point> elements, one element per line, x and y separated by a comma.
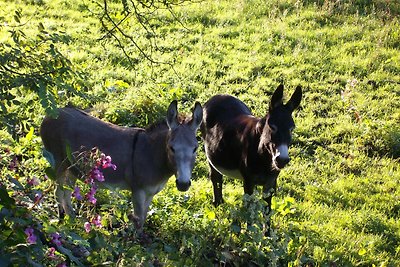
<point>337,203</point>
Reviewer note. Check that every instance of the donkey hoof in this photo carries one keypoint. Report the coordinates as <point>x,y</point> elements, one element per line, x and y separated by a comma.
<point>218,202</point>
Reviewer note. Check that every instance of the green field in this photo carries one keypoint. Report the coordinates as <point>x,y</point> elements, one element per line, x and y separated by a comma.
<point>338,201</point>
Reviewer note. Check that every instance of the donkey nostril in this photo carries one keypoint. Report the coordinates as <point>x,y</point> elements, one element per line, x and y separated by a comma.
<point>282,161</point>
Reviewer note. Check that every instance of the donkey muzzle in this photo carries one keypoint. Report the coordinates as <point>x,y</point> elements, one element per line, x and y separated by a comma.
<point>281,156</point>
<point>183,185</point>
<point>281,162</point>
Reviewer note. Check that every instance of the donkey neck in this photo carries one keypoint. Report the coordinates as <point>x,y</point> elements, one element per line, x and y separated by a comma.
<point>264,132</point>
<point>151,153</point>
<point>255,132</point>
<point>252,129</point>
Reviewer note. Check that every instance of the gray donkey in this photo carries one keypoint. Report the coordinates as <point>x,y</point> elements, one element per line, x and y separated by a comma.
<point>145,158</point>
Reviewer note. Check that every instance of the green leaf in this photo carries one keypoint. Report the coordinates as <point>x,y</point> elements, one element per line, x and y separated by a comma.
<point>5,199</point>
<point>235,228</point>
<point>289,200</point>
<point>362,252</point>
<point>168,249</point>
<point>125,218</point>
<point>9,97</point>
<point>40,26</point>
<point>29,136</point>
<point>49,228</point>
<point>49,156</point>
<point>16,182</point>
<point>69,153</point>
<point>210,215</point>
<point>69,254</point>
<point>51,173</point>
<point>274,203</point>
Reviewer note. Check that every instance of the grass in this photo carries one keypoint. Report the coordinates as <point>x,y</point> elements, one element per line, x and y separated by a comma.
<point>344,176</point>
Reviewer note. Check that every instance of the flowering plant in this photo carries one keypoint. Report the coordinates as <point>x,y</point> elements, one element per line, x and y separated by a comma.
<point>24,220</point>
<point>91,165</point>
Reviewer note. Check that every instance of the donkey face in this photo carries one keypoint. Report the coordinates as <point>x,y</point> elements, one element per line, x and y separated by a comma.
<point>182,143</point>
<point>277,133</point>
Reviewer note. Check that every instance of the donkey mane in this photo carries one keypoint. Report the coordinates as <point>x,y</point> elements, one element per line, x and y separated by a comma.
<point>156,125</point>
<point>162,123</point>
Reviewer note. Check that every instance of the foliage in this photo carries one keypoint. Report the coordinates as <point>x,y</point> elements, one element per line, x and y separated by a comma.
<point>144,16</point>
<point>32,63</point>
<point>30,235</point>
<point>338,200</point>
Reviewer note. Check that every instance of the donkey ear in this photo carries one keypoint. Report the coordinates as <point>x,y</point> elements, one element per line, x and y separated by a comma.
<point>277,97</point>
<point>172,115</point>
<point>295,100</point>
<point>197,116</point>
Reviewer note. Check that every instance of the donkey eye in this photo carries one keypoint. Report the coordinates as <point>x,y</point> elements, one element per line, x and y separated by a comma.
<point>273,128</point>
<point>172,149</point>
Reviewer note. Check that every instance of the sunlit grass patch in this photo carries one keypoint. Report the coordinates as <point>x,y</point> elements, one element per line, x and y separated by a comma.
<point>337,202</point>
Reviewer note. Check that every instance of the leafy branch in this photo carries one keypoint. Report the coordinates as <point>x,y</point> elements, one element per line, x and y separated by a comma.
<point>32,64</point>
<point>144,14</point>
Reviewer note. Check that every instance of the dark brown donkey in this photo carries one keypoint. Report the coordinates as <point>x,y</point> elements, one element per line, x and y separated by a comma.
<point>145,158</point>
<point>239,145</point>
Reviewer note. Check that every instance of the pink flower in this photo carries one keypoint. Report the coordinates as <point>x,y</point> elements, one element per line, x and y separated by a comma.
<point>107,163</point>
<point>51,253</point>
<point>13,164</point>
<point>101,160</point>
<point>55,239</point>
<point>89,179</point>
<point>33,182</point>
<point>96,174</point>
<point>110,165</point>
<point>77,193</point>
<point>87,226</point>
<point>62,264</point>
<point>90,195</point>
<point>97,221</point>
<point>31,238</point>
<point>92,199</point>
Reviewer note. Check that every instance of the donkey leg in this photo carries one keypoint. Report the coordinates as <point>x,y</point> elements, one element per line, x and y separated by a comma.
<point>70,182</point>
<point>268,191</point>
<point>216,179</point>
<point>60,199</point>
<point>63,195</point>
<point>139,209</point>
<point>248,185</point>
<point>147,203</point>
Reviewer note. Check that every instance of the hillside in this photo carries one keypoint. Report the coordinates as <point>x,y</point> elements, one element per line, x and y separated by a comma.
<point>338,201</point>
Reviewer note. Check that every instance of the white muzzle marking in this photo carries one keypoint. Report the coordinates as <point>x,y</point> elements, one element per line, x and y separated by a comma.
<point>283,151</point>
